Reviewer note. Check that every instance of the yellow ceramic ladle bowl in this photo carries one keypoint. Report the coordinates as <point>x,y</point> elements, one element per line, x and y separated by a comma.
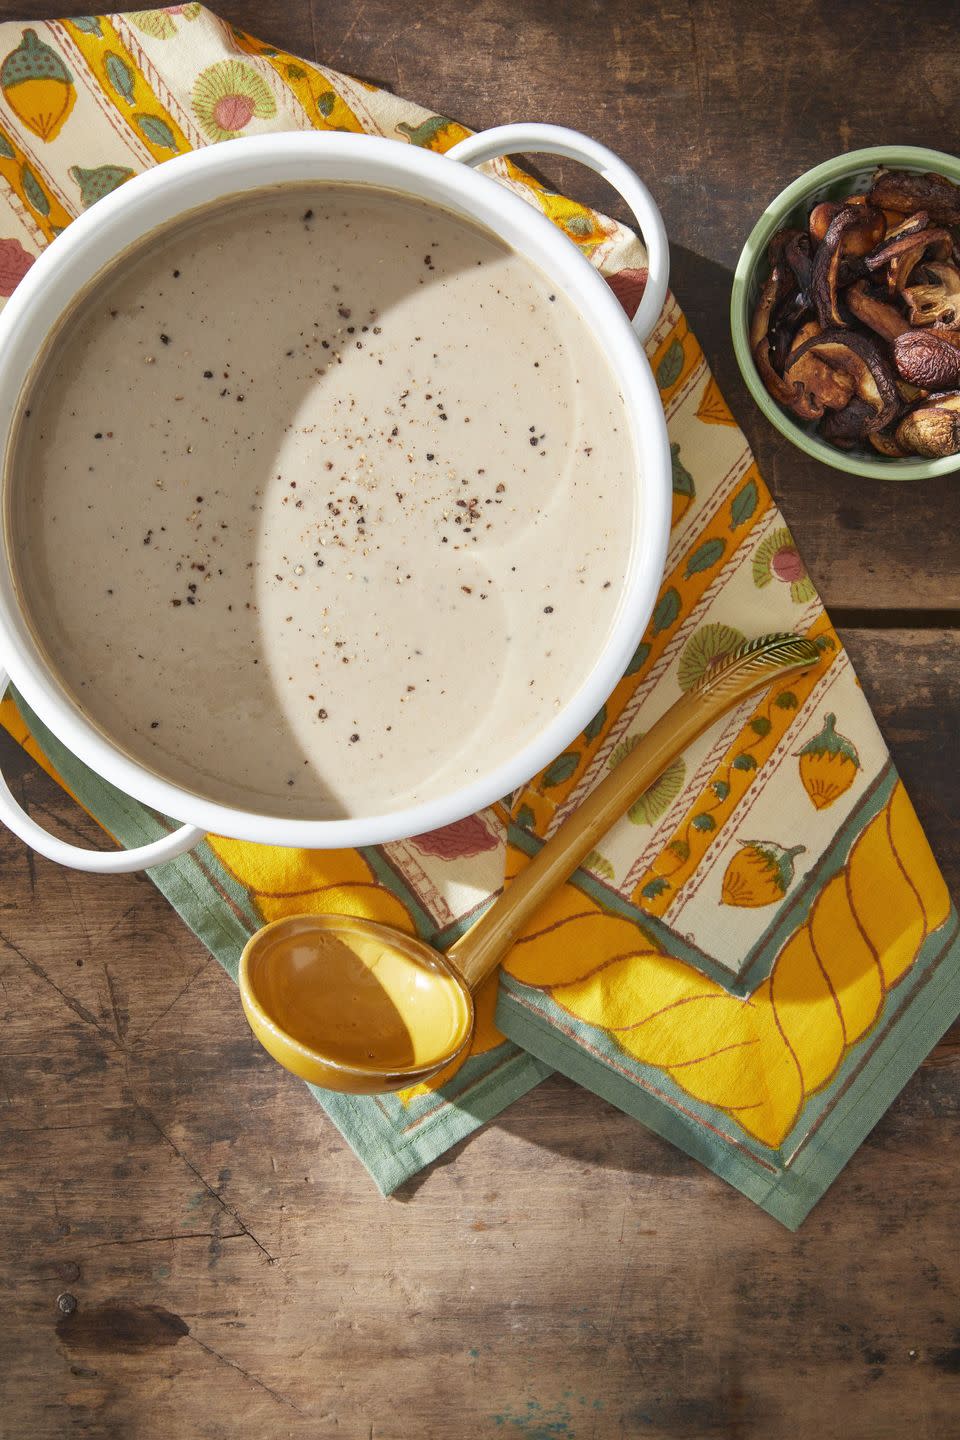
<point>356,1006</point>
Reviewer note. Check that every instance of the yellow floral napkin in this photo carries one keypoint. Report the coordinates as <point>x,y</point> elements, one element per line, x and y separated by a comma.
<point>763,949</point>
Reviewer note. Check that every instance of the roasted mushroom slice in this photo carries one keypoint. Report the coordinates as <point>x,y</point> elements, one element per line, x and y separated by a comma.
<point>910,225</point>
<point>904,249</point>
<point>820,217</point>
<point>929,358</point>
<point>860,358</point>
<point>905,192</point>
<point>863,237</point>
<point>851,269</point>
<point>778,243</point>
<point>780,282</point>
<point>935,300</point>
<point>763,310</point>
<point>885,443</point>
<point>826,266</point>
<point>909,393</point>
<point>798,251</point>
<point>932,429</point>
<point>852,231</point>
<point>776,288</point>
<point>876,314</point>
<point>788,317</point>
<point>823,387</point>
<point>847,427</point>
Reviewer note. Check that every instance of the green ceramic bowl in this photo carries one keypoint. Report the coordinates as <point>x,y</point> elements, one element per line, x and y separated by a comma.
<point>845,175</point>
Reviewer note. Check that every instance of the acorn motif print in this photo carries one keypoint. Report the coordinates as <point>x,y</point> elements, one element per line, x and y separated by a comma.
<point>828,764</point>
<point>37,86</point>
<point>759,874</point>
<point>96,183</point>
<point>227,96</point>
<point>778,558</point>
<point>437,132</point>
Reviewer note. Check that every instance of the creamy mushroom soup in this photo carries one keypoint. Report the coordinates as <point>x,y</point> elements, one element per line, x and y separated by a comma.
<point>322,502</point>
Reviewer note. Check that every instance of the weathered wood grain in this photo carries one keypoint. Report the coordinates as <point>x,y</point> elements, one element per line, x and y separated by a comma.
<point>187,1245</point>
<point>912,680</point>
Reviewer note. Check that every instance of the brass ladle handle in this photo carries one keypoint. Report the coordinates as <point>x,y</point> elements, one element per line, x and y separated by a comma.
<point>746,669</point>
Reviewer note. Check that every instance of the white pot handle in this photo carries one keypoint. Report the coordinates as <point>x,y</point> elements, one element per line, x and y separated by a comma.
<point>100,862</point>
<point>558,140</point>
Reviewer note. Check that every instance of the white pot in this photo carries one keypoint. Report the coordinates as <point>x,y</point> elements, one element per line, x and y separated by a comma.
<point>159,196</point>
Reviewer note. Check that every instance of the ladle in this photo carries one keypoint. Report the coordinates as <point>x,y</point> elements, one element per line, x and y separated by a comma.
<point>353,1005</point>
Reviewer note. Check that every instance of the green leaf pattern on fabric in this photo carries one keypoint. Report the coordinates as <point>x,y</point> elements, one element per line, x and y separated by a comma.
<point>682,480</point>
<point>34,191</point>
<point>120,75</point>
<point>744,504</point>
<point>525,818</point>
<point>157,131</point>
<point>639,659</point>
<point>705,556</point>
<point>666,611</point>
<point>668,371</point>
<point>655,888</point>
<point>561,769</point>
<point>593,729</point>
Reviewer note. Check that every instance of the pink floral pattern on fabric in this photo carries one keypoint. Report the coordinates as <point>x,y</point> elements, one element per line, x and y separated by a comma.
<point>14,264</point>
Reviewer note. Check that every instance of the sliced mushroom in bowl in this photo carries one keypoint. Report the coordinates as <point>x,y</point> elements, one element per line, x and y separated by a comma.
<point>846,307</point>
<point>932,428</point>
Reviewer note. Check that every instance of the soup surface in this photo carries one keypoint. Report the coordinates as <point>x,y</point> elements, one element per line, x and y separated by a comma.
<point>322,502</point>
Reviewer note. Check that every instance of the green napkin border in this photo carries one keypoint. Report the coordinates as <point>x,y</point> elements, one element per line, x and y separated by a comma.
<point>787,1182</point>
<point>393,1141</point>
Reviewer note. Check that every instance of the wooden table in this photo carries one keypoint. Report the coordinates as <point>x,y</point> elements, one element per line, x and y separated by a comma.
<point>564,1273</point>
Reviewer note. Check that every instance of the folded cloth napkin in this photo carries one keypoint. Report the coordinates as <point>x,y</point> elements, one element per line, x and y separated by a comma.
<point>763,949</point>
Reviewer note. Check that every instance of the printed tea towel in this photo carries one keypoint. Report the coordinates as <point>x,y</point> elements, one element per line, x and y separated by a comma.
<point>763,949</point>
